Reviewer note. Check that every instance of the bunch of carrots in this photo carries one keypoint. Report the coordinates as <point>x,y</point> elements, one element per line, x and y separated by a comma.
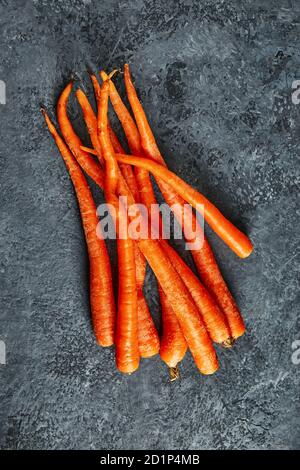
<point>196,311</point>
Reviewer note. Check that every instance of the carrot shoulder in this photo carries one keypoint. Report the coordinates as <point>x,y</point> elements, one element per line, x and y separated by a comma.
<point>101,289</point>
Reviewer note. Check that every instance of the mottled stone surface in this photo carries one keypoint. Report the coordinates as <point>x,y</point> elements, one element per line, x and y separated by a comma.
<point>216,80</point>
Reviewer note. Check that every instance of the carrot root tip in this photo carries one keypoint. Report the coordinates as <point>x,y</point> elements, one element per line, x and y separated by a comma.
<point>228,343</point>
<point>174,373</point>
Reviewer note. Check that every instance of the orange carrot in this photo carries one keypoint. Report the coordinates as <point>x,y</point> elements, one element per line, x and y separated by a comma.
<point>146,326</point>
<point>143,180</point>
<point>126,170</point>
<point>183,305</point>
<point>91,123</point>
<point>128,124</point>
<point>101,290</point>
<point>148,338</point>
<point>212,316</point>
<point>85,160</point>
<point>204,258</point>
<point>173,345</point>
<point>213,280</point>
<point>184,308</point>
<point>127,348</point>
<point>231,235</point>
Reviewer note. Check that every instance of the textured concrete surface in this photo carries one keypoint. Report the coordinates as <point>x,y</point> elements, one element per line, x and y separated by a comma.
<point>216,80</point>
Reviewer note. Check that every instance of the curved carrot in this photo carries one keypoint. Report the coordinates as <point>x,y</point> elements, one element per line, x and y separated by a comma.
<point>127,348</point>
<point>112,169</point>
<point>173,345</point>
<point>128,124</point>
<point>146,327</point>
<point>231,235</point>
<point>91,122</point>
<point>101,289</point>
<point>204,258</point>
<point>85,160</point>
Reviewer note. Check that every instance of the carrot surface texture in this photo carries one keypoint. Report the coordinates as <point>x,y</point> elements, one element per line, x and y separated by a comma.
<point>127,348</point>
<point>173,344</point>
<point>101,289</point>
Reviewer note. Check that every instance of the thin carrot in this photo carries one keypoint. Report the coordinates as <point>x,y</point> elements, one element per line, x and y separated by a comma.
<point>128,124</point>
<point>126,170</point>
<point>91,122</point>
<point>148,338</point>
<point>101,290</point>
<point>85,160</point>
<point>127,348</point>
<point>231,235</point>
<point>142,176</point>
<point>146,326</point>
<point>173,345</point>
<point>204,258</point>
